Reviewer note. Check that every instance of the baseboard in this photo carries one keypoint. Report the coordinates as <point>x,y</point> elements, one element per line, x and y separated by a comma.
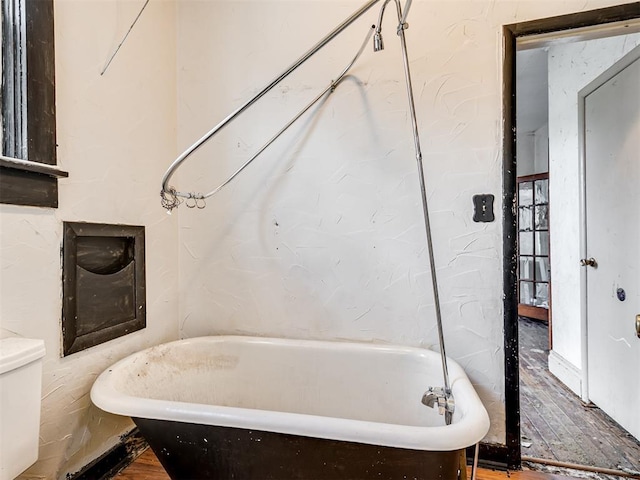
<point>491,455</point>
<point>107,465</point>
<point>566,372</point>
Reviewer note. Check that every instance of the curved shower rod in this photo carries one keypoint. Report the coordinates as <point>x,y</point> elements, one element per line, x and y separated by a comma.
<point>171,198</point>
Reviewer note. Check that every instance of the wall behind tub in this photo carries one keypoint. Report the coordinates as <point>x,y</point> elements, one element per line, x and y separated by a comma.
<point>322,237</point>
<point>116,134</point>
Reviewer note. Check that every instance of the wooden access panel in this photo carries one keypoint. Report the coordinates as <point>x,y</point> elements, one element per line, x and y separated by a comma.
<point>103,283</point>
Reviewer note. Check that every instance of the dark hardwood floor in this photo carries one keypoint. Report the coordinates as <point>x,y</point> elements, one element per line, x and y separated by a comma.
<point>556,425</point>
<point>147,467</point>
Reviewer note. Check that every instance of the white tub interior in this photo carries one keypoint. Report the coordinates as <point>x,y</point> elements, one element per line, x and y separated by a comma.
<point>290,386</point>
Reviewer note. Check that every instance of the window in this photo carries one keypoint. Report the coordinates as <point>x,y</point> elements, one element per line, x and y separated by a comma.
<point>28,175</point>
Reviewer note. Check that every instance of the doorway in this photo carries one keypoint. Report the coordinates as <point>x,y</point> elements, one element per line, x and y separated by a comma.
<point>566,356</point>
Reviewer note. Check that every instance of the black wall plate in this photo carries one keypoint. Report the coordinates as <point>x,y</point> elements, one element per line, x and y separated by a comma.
<point>483,208</point>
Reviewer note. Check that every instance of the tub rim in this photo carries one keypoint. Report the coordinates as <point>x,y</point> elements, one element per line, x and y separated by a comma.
<point>469,430</point>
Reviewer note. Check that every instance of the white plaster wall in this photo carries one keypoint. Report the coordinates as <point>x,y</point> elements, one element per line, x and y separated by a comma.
<point>526,154</point>
<point>322,237</point>
<point>572,66</point>
<point>116,133</point>
<point>541,149</point>
<point>533,152</point>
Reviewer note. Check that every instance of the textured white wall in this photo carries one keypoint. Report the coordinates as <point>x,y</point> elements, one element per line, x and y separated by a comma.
<point>572,66</point>
<point>322,237</point>
<point>526,154</point>
<point>541,148</point>
<point>533,152</point>
<point>116,133</point>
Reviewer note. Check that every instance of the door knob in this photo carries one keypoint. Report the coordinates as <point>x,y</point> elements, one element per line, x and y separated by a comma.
<point>638,325</point>
<point>588,262</point>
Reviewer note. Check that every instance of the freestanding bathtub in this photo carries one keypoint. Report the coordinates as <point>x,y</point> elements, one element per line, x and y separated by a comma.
<point>264,408</point>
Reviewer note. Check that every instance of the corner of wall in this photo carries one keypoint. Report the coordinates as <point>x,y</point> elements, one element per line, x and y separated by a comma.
<point>566,372</point>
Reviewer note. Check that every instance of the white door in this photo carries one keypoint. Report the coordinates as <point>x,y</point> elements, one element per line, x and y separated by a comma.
<point>612,170</point>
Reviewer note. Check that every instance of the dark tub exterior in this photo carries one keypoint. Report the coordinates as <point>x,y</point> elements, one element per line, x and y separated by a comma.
<point>189,452</point>
<point>230,407</point>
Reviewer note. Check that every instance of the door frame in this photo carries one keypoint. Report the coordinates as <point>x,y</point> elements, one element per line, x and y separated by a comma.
<point>511,455</point>
<point>605,76</point>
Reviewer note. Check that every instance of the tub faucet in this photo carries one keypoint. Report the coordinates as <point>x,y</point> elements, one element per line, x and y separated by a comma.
<point>443,399</point>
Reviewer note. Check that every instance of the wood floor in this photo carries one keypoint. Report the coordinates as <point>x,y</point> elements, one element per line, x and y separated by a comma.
<point>555,423</point>
<point>147,467</point>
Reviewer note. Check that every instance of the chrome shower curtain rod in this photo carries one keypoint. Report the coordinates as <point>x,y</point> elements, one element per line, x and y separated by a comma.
<point>172,198</point>
<point>169,200</point>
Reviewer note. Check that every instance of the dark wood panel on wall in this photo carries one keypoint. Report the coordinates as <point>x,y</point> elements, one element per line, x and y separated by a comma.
<point>41,101</point>
<point>103,283</point>
<point>20,187</point>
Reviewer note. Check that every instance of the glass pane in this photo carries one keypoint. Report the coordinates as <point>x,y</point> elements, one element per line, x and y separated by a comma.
<point>542,243</point>
<point>526,243</point>
<point>526,293</point>
<point>526,268</point>
<point>525,193</point>
<point>542,217</point>
<point>525,218</point>
<point>542,191</point>
<point>542,269</point>
<point>542,295</point>
<point>14,86</point>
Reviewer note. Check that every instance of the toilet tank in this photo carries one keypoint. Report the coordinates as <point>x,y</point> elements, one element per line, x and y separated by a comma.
<point>20,387</point>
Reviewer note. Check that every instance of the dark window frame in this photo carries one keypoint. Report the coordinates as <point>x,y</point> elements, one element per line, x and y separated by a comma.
<point>33,180</point>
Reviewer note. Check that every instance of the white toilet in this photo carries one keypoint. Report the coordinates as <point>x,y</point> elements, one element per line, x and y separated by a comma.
<point>20,387</point>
